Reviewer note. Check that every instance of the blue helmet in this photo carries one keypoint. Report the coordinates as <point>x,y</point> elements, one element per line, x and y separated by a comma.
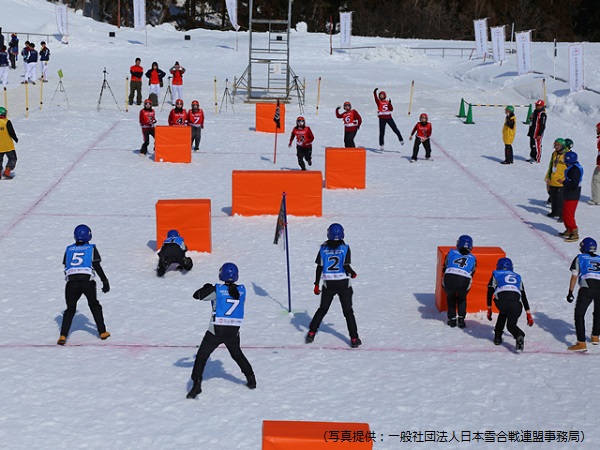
<point>173,234</point>
<point>570,158</point>
<point>464,241</point>
<point>82,233</point>
<point>504,264</point>
<point>588,245</point>
<point>335,232</point>
<point>228,272</point>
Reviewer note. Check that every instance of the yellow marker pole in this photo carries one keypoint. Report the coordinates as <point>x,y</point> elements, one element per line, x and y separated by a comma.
<point>412,88</point>
<point>318,95</point>
<point>126,94</point>
<point>216,108</point>
<point>544,89</point>
<point>27,100</point>
<point>41,93</point>
<point>5,99</point>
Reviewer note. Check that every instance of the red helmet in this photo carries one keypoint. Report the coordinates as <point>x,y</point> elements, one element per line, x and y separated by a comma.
<point>300,122</point>
<point>179,102</point>
<point>540,103</point>
<point>382,95</point>
<point>423,116</point>
<point>348,105</point>
<point>598,126</point>
<point>195,103</point>
<point>147,102</point>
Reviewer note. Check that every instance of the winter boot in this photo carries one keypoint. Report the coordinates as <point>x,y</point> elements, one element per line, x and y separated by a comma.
<point>579,347</point>
<point>461,322</point>
<point>355,342</point>
<point>564,233</point>
<point>573,236</point>
<point>310,337</point>
<point>187,263</point>
<point>104,336</point>
<point>520,345</point>
<point>251,381</point>
<point>195,390</point>
<point>452,322</point>
<point>6,173</point>
<point>497,338</point>
<point>595,340</point>
<point>62,340</point>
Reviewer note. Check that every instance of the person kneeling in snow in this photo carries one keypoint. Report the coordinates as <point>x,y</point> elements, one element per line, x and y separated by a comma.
<point>173,252</point>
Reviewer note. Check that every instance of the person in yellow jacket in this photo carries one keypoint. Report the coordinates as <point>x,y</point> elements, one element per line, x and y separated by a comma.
<point>8,137</point>
<point>508,134</point>
<point>554,177</point>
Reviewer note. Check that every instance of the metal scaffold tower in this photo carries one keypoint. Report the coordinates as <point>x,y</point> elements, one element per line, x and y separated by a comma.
<point>269,75</point>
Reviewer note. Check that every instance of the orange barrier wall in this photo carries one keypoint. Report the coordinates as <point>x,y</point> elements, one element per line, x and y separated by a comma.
<point>173,144</point>
<point>264,117</point>
<point>258,192</point>
<point>345,168</point>
<point>191,217</point>
<point>290,435</point>
<point>487,257</point>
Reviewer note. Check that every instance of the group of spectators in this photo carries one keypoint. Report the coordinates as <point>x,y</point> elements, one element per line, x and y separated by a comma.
<point>9,55</point>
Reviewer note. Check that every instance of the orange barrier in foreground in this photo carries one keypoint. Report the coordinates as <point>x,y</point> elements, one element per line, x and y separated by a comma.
<point>345,168</point>
<point>191,217</point>
<point>258,192</point>
<point>265,112</point>
<point>487,257</point>
<point>173,144</point>
<point>291,435</point>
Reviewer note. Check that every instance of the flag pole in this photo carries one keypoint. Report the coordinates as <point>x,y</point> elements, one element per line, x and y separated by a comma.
<point>276,119</point>
<point>287,255</point>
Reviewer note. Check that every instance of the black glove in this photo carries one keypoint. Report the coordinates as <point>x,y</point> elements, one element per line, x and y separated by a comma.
<point>375,91</point>
<point>570,297</point>
<point>105,286</point>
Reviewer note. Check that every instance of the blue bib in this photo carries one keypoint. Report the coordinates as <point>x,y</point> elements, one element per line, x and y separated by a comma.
<point>78,259</point>
<point>229,311</point>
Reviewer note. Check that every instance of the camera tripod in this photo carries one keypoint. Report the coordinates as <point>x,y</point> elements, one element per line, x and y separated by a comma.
<point>60,88</point>
<point>226,97</point>
<point>105,85</point>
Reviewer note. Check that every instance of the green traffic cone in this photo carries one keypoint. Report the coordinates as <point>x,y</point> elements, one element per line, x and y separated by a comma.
<point>469,120</point>
<point>529,112</point>
<point>461,111</point>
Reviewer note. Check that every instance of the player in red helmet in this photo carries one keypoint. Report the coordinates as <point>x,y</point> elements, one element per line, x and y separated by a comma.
<point>537,126</point>
<point>195,119</point>
<point>178,115</point>
<point>304,139</point>
<point>384,112</point>
<point>147,121</point>
<point>352,122</point>
<point>423,131</point>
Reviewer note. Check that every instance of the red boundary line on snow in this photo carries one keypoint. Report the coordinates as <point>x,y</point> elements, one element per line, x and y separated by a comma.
<point>507,205</point>
<point>51,188</point>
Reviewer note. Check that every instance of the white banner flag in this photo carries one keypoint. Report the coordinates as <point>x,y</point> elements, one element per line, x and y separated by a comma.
<point>576,81</point>
<point>498,43</point>
<point>61,20</point>
<point>232,12</point>
<point>139,15</point>
<point>481,39</point>
<point>524,58</point>
<point>345,29</point>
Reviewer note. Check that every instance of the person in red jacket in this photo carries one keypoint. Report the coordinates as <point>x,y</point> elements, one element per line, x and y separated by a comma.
<point>384,112</point>
<point>135,85</point>
<point>155,80</point>
<point>147,121</point>
<point>195,119</point>
<point>177,72</point>
<point>352,123</point>
<point>423,131</point>
<point>178,115</point>
<point>304,139</point>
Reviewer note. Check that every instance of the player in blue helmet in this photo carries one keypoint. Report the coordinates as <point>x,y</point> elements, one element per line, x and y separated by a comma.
<point>585,271</point>
<point>173,252</point>
<point>458,270</point>
<point>228,301</point>
<point>333,268</point>
<point>506,289</point>
<point>82,263</point>
<point>571,192</point>
<point>228,273</point>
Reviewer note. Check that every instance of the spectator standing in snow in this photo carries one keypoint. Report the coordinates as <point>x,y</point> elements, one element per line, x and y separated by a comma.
<point>44,60</point>
<point>135,84</point>
<point>508,134</point>
<point>4,67</point>
<point>228,301</point>
<point>304,139</point>
<point>155,80</point>
<point>595,200</point>
<point>352,122</point>
<point>13,50</point>
<point>384,112</point>
<point>423,131</point>
<point>177,82</point>
<point>537,126</point>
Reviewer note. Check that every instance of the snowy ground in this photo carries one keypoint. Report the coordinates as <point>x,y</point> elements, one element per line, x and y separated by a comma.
<point>413,373</point>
